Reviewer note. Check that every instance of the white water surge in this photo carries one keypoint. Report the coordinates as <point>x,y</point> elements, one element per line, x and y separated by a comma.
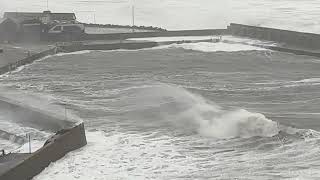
<point>227,44</point>
<point>214,47</point>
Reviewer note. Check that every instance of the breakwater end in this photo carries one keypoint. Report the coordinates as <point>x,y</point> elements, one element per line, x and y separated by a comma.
<point>26,166</point>
<point>299,43</point>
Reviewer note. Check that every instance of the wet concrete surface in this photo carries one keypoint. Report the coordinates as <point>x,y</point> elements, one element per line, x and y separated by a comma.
<point>11,160</point>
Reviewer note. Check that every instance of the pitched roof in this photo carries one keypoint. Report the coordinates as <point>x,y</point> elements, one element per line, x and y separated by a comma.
<point>22,16</point>
<point>3,20</point>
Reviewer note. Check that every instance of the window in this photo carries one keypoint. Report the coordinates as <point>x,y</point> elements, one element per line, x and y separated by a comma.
<point>71,28</point>
<point>58,28</point>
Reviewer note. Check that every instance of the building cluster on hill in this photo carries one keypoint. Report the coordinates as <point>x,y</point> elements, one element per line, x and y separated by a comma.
<point>25,26</point>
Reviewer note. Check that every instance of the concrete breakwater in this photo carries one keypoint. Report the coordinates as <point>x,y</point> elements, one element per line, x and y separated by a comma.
<point>291,38</point>
<point>123,36</point>
<point>150,28</point>
<point>106,46</point>
<point>288,41</point>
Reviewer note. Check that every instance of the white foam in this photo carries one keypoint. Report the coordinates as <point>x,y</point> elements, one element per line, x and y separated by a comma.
<point>33,147</point>
<point>272,85</point>
<point>7,125</point>
<point>247,41</point>
<point>213,47</point>
<point>190,112</point>
<point>38,137</point>
<point>239,123</point>
<point>310,80</point>
<point>120,156</point>
<point>211,120</point>
<point>74,53</point>
<point>176,38</point>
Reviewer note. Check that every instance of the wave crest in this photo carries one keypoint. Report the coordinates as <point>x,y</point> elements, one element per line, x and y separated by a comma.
<point>208,119</point>
<point>239,123</point>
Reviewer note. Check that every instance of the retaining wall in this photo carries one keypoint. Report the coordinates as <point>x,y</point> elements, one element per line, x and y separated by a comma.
<point>299,39</point>
<point>55,148</point>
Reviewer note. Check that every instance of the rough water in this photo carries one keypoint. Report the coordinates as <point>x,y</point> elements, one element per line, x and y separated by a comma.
<point>301,15</point>
<point>188,111</point>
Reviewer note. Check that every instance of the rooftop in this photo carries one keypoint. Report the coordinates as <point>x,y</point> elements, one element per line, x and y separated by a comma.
<point>22,16</point>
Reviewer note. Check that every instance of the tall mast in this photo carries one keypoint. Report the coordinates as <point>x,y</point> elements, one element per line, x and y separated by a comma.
<point>133,17</point>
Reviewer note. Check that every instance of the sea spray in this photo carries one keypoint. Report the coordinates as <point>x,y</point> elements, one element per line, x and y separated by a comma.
<point>192,112</point>
<point>213,121</point>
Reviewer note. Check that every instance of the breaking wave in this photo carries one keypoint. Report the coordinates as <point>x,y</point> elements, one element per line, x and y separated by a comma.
<point>211,120</point>
<point>186,110</point>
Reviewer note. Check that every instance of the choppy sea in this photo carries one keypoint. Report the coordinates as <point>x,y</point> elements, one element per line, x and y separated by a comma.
<point>187,111</point>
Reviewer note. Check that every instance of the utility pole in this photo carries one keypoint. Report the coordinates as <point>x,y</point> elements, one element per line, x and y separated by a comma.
<point>48,5</point>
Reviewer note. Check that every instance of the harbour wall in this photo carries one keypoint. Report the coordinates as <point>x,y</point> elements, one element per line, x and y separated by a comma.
<point>55,148</point>
<point>291,38</point>
<point>27,60</point>
<point>117,36</point>
<point>107,46</point>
